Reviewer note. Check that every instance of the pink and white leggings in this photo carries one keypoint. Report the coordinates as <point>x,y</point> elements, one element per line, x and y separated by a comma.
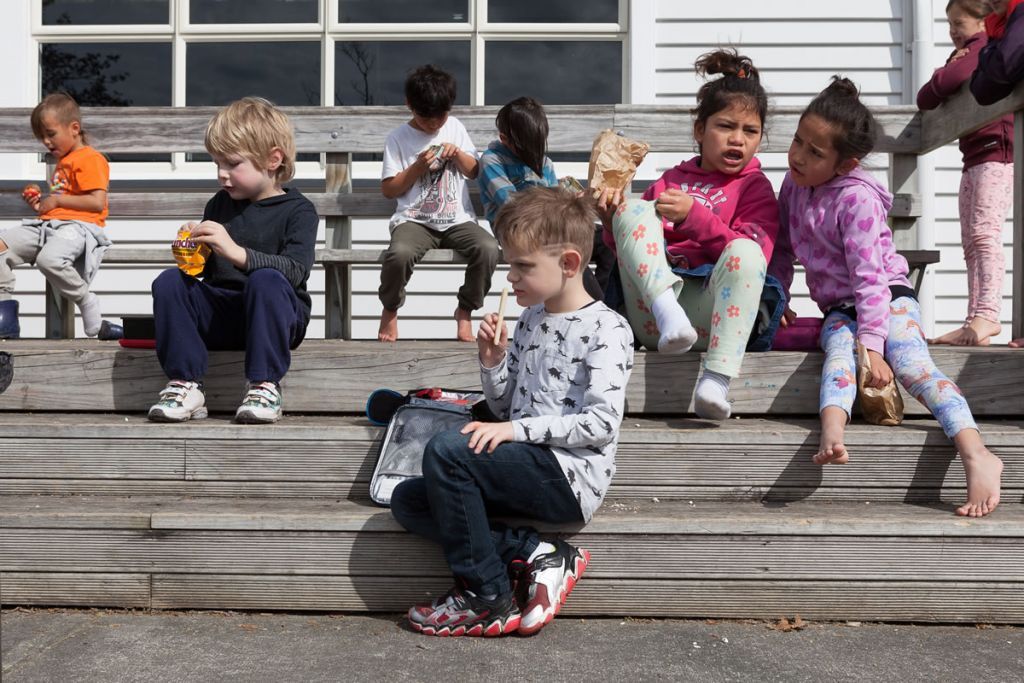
<point>986,192</point>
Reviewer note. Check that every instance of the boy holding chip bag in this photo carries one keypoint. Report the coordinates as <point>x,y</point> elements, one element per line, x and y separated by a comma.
<point>252,292</point>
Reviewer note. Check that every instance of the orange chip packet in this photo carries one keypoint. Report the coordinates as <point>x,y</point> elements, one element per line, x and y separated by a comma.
<point>614,160</point>
<point>189,254</point>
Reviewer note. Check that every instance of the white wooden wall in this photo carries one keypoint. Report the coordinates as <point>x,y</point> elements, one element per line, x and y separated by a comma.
<point>798,45</point>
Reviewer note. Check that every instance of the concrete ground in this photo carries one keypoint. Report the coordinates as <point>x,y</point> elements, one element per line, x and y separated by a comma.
<point>101,645</point>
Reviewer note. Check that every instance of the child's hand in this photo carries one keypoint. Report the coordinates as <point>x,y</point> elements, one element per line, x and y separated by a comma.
<point>787,317</point>
<point>674,205</point>
<point>488,435</point>
<point>607,204</point>
<point>448,151</point>
<point>959,54</point>
<point>215,236</point>
<point>491,355</point>
<point>881,373</point>
<point>43,205</point>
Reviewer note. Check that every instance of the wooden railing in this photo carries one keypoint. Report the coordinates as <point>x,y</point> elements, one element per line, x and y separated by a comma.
<point>343,131</point>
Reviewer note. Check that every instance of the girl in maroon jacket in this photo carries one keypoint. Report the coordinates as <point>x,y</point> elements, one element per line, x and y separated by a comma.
<point>986,186</point>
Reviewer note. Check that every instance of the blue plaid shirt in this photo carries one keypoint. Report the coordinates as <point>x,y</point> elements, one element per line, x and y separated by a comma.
<point>502,173</point>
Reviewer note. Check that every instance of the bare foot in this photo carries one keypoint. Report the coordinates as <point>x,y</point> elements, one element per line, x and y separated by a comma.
<point>464,321</point>
<point>388,331</point>
<point>978,332</point>
<point>983,471</point>
<point>1017,343</point>
<point>831,450</point>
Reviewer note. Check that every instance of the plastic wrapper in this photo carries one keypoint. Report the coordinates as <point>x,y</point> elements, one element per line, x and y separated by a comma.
<point>614,160</point>
<point>878,406</point>
<point>189,254</point>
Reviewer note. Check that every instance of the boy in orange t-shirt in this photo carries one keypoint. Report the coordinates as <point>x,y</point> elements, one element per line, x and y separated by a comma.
<point>67,240</point>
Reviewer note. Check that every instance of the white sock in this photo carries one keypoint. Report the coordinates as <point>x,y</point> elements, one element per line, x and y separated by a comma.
<point>543,548</point>
<point>91,316</point>
<point>712,399</point>
<point>677,334</point>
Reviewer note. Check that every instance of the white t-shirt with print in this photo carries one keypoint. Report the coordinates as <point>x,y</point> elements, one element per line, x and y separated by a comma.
<point>438,199</point>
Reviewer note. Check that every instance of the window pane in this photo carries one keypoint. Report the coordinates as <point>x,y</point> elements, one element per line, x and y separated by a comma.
<point>79,12</point>
<point>374,72</point>
<point>553,11</point>
<point>592,71</point>
<point>109,74</point>
<point>253,11</point>
<point>394,11</point>
<point>287,74</point>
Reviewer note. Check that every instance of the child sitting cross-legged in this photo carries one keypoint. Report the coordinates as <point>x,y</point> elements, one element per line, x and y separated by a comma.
<point>559,388</point>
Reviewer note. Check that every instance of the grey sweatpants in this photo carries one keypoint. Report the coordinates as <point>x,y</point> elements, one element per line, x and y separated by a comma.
<point>55,257</point>
<point>410,241</point>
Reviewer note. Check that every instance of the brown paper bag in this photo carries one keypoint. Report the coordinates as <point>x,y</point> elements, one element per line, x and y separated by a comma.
<point>878,406</point>
<point>613,161</point>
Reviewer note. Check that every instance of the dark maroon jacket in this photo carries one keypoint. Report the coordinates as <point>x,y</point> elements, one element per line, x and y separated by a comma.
<point>1001,63</point>
<point>994,142</point>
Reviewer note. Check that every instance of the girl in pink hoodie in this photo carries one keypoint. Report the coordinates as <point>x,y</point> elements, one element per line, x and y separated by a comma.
<point>832,217</point>
<point>693,253</point>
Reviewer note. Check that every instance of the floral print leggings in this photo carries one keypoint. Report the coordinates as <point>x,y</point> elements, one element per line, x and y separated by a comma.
<point>722,306</point>
<point>907,351</point>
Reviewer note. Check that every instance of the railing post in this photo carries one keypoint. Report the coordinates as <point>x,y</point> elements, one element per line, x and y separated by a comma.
<point>906,176</point>
<point>338,297</point>
<point>1017,304</point>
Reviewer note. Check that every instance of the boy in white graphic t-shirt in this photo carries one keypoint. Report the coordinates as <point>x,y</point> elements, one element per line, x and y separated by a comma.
<point>426,163</point>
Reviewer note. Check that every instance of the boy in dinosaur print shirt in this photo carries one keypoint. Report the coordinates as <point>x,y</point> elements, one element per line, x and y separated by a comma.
<point>558,389</point>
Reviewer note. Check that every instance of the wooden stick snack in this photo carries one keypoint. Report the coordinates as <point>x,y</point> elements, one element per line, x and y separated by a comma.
<point>501,315</point>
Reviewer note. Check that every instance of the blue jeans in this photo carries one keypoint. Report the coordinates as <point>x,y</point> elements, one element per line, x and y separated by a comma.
<point>451,504</point>
<point>191,317</point>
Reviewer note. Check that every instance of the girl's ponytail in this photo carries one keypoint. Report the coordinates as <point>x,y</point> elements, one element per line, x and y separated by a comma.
<point>740,81</point>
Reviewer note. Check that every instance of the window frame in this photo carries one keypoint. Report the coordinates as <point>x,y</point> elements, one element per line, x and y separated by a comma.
<point>477,31</point>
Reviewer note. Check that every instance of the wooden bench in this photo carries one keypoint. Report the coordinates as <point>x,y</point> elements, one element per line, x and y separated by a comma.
<point>343,131</point>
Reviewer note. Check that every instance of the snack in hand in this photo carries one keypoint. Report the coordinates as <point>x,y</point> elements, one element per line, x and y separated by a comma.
<point>435,157</point>
<point>613,161</point>
<point>570,184</point>
<point>31,192</point>
<point>189,254</point>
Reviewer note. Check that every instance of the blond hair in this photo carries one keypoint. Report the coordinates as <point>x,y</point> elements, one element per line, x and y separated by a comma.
<point>61,105</point>
<point>252,127</point>
<point>547,217</point>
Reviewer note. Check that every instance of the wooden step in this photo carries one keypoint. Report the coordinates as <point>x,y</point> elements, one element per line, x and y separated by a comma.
<point>334,457</point>
<point>824,561</point>
<point>336,377</point>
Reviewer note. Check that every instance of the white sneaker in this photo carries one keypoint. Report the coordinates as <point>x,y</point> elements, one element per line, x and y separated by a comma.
<point>92,318</point>
<point>180,401</point>
<point>262,403</point>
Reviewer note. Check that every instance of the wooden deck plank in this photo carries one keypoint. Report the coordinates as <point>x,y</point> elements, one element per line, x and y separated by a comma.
<point>75,589</point>
<point>335,376</point>
<point>819,600</point>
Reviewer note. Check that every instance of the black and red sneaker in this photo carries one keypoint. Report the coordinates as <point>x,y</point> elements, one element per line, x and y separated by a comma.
<point>463,613</point>
<point>552,577</point>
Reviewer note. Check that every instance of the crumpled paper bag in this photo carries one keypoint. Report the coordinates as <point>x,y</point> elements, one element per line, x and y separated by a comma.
<point>614,160</point>
<point>878,406</point>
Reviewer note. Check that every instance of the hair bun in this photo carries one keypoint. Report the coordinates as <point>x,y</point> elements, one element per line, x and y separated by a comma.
<point>728,62</point>
<point>843,86</point>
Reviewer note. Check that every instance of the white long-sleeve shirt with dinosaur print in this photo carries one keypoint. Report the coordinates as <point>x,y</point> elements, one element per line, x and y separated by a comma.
<point>562,384</point>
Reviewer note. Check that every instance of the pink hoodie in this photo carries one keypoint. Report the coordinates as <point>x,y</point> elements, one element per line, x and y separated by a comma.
<point>838,232</point>
<point>726,207</point>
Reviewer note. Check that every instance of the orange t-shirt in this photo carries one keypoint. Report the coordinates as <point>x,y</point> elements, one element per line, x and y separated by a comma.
<point>80,172</point>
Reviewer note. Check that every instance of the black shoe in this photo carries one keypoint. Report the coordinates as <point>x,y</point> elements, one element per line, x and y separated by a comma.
<point>110,331</point>
<point>463,613</point>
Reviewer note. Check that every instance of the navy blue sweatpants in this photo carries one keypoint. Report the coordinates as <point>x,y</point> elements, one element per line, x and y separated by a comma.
<point>266,319</point>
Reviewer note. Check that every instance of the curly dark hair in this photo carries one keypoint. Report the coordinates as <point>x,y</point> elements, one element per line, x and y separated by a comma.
<point>430,91</point>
